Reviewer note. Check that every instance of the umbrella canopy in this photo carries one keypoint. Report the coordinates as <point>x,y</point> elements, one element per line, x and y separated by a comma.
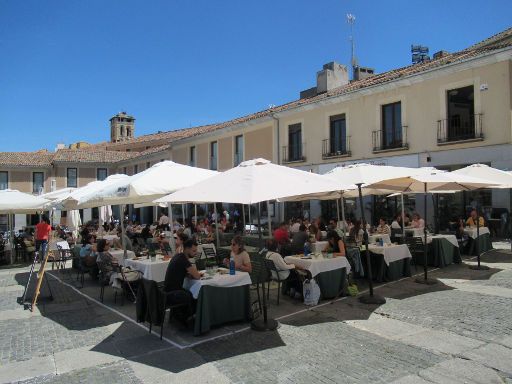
<point>155,182</point>
<point>58,194</point>
<point>504,179</point>
<point>70,201</point>
<point>251,182</point>
<point>14,201</point>
<point>433,181</point>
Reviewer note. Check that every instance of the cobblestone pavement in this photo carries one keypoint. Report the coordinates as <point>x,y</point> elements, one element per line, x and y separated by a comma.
<point>459,331</point>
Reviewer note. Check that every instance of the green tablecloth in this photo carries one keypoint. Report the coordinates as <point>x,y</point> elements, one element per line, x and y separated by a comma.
<point>219,305</point>
<point>382,272</point>
<point>332,283</point>
<point>440,254</point>
<point>484,245</point>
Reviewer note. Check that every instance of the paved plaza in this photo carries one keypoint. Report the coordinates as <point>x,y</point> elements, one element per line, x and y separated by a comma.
<point>458,331</point>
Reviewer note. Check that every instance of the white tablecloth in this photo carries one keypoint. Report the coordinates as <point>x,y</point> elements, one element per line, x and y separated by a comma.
<point>152,270</point>
<point>110,237</point>
<point>318,246</point>
<point>451,238</point>
<point>217,280</point>
<point>391,253</point>
<point>317,265</point>
<point>375,237</point>
<point>471,231</point>
<point>118,254</point>
<point>416,232</point>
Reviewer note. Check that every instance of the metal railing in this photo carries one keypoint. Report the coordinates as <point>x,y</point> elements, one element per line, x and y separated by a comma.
<point>382,141</point>
<point>460,129</point>
<point>294,153</point>
<point>331,148</point>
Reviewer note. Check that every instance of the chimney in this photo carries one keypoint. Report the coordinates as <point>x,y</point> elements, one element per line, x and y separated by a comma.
<point>361,73</point>
<point>60,146</point>
<point>440,54</point>
<point>332,75</point>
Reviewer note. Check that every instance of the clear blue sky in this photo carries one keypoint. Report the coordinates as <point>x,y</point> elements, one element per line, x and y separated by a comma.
<point>67,66</point>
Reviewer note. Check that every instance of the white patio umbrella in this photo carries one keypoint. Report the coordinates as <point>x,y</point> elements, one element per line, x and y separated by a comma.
<point>56,195</point>
<point>73,221</point>
<point>504,178</point>
<point>434,181</point>
<point>13,201</point>
<point>252,182</point>
<point>155,182</point>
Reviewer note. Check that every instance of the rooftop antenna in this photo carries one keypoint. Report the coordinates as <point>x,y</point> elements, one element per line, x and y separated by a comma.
<point>351,19</point>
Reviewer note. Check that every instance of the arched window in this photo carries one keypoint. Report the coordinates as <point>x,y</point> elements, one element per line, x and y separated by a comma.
<point>122,131</point>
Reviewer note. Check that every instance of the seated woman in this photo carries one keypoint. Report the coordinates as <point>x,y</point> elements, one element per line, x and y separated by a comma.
<point>87,250</point>
<point>286,272</point>
<point>314,233</point>
<point>242,259</point>
<point>417,221</point>
<point>383,227</point>
<point>396,223</point>
<point>357,232</point>
<point>335,244</point>
<point>107,261</point>
<point>471,221</point>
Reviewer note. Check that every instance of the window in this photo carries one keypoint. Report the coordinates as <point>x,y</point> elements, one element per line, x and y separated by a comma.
<point>37,182</point>
<point>72,177</point>
<point>101,174</point>
<point>148,165</point>
<point>461,114</point>
<point>239,149</point>
<point>4,180</point>
<point>391,135</point>
<point>192,157</point>
<point>338,135</point>
<point>135,169</point>
<point>122,130</point>
<point>295,142</point>
<point>213,155</point>
<point>124,170</point>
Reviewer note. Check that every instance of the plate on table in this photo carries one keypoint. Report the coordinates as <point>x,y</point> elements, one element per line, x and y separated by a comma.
<point>222,271</point>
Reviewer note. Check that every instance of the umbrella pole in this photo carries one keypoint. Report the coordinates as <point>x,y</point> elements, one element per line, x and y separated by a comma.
<point>264,324</point>
<point>243,218</point>
<point>337,210</point>
<point>250,220</point>
<point>125,253</point>
<point>269,222</point>
<point>171,220</point>
<point>216,225</point>
<point>183,213</point>
<point>371,298</point>
<point>478,266</point>
<point>11,237</point>
<point>195,214</point>
<point>425,280</point>
<point>403,217</point>
<point>345,228</point>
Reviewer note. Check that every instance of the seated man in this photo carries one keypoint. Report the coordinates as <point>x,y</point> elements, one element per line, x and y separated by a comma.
<point>471,221</point>
<point>179,267</point>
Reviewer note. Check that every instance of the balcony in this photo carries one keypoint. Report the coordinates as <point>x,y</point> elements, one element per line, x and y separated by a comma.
<point>384,143</point>
<point>331,148</point>
<point>294,153</point>
<point>456,129</point>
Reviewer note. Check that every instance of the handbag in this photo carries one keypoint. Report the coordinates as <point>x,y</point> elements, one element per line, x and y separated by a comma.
<point>311,292</point>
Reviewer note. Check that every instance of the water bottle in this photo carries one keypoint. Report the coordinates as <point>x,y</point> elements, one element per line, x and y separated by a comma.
<point>231,265</point>
<point>306,248</point>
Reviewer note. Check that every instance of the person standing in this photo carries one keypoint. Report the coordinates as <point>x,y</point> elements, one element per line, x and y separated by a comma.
<point>43,230</point>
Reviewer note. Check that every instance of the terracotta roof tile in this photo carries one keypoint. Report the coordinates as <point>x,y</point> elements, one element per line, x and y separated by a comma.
<point>88,156</point>
<point>26,159</point>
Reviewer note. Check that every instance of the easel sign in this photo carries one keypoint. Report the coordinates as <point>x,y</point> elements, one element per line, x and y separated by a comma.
<point>40,277</point>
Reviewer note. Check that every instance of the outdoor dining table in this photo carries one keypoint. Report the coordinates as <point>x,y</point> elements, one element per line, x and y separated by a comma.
<point>443,250</point>
<point>415,232</point>
<point>389,262</point>
<point>329,273</point>
<point>151,269</point>
<point>250,250</point>
<point>221,298</point>
<point>118,254</point>
<point>379,236</point>
<point>484,240</point>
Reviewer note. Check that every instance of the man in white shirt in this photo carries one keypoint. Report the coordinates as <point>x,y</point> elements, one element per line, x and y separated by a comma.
<point>295,226</point>
<point>164,221</point>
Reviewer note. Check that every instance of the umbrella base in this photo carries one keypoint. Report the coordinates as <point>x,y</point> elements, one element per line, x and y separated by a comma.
<point>261,326</point>
<point>479,267</point>
<point>372,299</point>
<point>422,280</point>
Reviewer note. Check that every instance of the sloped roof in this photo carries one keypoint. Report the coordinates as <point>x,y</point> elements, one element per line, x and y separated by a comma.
<point>88,156</point>
<point>497,39</point>
<point>26,159</point>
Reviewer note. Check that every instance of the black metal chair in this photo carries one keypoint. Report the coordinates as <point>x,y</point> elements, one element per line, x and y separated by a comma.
<point>259,275</point>
<point>417,249</point>
<point>271,267</point>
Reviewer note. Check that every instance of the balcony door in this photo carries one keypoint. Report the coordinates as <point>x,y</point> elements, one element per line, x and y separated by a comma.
<point>295,142</point>
<point>392,125</point>
<point>338,135</point>
<point>461,113</point>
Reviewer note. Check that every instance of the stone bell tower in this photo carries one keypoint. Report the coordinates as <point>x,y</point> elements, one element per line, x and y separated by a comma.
<point>122,127</point>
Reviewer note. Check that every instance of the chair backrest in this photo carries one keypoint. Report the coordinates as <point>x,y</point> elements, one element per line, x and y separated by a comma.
<point>259,272</point>
<point>154,301</point>
<point>62,245</point>
<point>209,251</point>
<point>415,244</point>
<point>269,263</point>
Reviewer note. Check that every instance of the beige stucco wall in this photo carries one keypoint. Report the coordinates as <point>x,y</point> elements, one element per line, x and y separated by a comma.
<point>259,143</point>
<point>225,153</point>
<point>202,153</point>
<point>423,104</point>
<point>180,155</point>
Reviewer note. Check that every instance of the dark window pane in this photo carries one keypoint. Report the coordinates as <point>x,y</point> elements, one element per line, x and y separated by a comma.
<point>295,142</point>
<point>338,139</point>
<point>461,112</point>
<point>72,181</point>
<point>4,180</point>
<point>37,182</point>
